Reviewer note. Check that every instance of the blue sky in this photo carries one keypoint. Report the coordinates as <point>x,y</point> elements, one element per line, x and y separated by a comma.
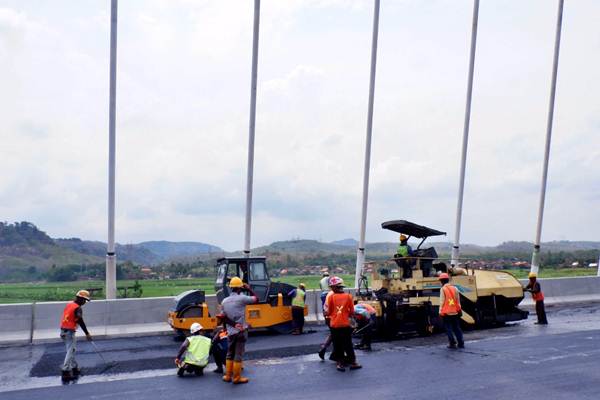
<point>182,115</point>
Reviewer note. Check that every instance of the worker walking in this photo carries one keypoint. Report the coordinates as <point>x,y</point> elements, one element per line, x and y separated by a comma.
<point>450,311</point>
<point>535,289</point>
<point>193,353</point>
<point>71,317</point>
<point>339,306</point>
<point>234,312</point>
<point>325,345</point>
<point>298,302</point>
<point>364,315</point>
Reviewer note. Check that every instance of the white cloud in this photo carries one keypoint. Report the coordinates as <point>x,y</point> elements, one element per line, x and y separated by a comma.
<point>183,98</point>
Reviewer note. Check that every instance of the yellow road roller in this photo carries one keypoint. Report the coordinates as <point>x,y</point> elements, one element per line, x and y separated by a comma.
<point>273,310</point>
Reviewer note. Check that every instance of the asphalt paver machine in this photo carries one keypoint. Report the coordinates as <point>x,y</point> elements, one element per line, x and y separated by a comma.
<point>405,290</point>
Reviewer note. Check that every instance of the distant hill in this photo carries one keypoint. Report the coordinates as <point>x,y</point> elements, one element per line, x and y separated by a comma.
<point>167,250</point>
<point>22,244</point>
<point>128,252</point>
<point>346,242</point>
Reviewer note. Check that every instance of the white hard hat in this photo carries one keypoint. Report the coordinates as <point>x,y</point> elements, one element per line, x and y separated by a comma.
<point>195,327</point>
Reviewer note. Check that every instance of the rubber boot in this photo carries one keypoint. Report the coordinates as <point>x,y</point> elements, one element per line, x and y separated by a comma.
<point>66,376</point>
<point>237,373</point>
<point>228,371</point>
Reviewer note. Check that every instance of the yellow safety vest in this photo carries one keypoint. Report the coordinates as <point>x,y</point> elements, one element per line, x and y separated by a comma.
<point>298,300</point>
<point>198,350</point>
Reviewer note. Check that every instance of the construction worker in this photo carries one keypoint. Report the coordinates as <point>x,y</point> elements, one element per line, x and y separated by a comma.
<point>73,316</point>
<point>193,353</point>
<point>323,348</point>
<point>234,315</point>
<point>324,286</point>
<point>450,311</point>
<point>218,348</point>
<point>535,289</point>
<point>339,306</point>
<point>364,315</point>
<point>298,301</point>
<point>404,250</point>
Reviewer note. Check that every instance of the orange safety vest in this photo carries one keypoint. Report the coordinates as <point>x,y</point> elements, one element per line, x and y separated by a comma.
<point>451,305</point>
<point>539,296</point>
<point>69,321</point>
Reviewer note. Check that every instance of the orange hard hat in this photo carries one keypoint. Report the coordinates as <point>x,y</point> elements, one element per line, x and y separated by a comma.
<point>443,275</point>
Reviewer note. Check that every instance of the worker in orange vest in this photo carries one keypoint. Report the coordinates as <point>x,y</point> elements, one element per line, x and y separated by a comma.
<point>535,289</point>
<point>450,311</point>
<point>339,307</point>
<point>73,316</point>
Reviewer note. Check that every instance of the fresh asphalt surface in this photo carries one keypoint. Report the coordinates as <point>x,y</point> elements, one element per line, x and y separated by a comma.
<point>559,361</point>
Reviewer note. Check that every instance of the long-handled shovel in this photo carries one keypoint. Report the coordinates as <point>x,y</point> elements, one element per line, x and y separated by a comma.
<point>108,365</point>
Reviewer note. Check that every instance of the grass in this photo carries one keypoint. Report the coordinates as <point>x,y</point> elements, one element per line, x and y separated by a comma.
<point>55,291</point>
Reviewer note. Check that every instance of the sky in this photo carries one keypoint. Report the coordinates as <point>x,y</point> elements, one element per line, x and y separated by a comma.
<point>183,93</point>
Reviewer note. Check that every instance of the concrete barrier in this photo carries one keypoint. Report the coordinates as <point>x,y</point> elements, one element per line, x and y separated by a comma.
<point>24,323</point>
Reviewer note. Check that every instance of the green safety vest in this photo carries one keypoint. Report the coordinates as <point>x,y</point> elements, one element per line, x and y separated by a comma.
<point>403,250</point>
<point>198,350</point>
<point>298,300</point>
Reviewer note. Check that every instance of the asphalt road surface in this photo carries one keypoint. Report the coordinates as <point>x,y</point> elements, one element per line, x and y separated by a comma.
<point>559,361</point>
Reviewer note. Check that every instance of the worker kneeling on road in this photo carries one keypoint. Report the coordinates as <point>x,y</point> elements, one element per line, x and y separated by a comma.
<point>364,314</point>
<point>339,306</point>
<point>298,301</point>
<point>450,311</point>
<point>73,316</point>
<point>234,315</point>
<point>537,295</point>
<point>194,352</point>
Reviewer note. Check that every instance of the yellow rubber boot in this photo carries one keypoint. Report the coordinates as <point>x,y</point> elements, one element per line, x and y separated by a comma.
<point>237,373</point>
<point>228,371</point>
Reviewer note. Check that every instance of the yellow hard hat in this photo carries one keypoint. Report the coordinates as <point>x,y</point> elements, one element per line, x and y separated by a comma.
<point>532,275</point>
<point>236,282</point>
<point>302,286</point>
<point>403,238</point>
<point>84,294</point>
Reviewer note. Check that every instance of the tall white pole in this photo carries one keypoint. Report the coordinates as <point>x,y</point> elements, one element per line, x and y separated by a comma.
<point>535,258</point>
<point>111,260</point>
<point>252,124</point>
<point>465,140</point>
<point>360,253</point>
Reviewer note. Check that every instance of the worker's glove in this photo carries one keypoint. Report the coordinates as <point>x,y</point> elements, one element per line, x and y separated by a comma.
<point>88,337</point>
<point>178,362</point>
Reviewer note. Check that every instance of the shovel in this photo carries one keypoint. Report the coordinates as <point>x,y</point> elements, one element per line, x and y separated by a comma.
<point>106,363</point>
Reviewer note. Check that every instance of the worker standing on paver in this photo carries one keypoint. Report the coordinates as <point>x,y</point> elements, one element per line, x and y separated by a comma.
<point>365,316</point>
<point>298,302</point>
<point>194,352</point>
<point>535,289</point>
<point>73,316</point>
<point>234,311</point>
<point>339,306</point>
<point>404,250</point>
<point>450,311</point>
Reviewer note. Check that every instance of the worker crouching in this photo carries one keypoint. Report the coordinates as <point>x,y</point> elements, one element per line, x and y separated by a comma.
<point>451,311</point>
<point>234,316</point>
<point>364,315</point>
<point>339,306</point>
<point>193,353</point>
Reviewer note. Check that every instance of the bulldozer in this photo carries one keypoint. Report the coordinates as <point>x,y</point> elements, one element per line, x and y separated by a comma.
<point>405,290</point>
<point>273,310</point>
